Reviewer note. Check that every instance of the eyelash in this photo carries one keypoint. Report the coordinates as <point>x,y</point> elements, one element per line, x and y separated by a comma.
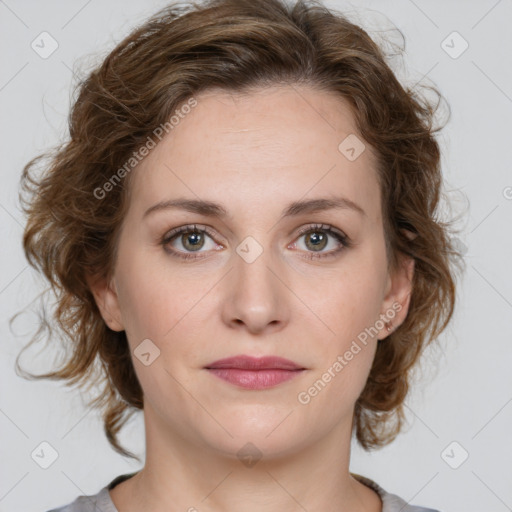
<point>325,228</point>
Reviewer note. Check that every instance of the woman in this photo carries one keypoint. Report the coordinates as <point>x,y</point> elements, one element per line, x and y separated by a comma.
<point>242,230</point>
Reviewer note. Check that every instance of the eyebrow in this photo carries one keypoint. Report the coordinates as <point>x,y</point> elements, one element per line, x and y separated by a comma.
<point>212,209</point>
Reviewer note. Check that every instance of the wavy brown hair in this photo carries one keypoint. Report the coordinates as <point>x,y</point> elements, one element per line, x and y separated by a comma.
<point>237,46</point>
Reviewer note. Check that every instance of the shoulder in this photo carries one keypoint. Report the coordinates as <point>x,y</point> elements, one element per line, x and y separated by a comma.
<point>90,503</point>
<point>95,502</point>
<point>391,502</point>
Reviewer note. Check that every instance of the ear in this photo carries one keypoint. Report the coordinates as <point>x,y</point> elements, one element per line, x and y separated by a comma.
<point>105,295</point>
<point>397,295</point>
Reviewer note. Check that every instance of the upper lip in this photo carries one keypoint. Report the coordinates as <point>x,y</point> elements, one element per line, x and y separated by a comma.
<point>244,362</point>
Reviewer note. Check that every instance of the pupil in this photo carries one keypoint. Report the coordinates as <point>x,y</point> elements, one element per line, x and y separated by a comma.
<point>195,237</point>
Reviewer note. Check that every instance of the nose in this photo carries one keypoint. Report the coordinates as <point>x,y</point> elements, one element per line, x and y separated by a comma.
<point>256,297</point>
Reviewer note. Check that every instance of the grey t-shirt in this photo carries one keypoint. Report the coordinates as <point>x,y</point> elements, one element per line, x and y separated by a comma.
<point>101,502</point>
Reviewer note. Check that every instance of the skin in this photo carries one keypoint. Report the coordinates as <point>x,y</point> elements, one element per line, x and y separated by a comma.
<point>254,154</point>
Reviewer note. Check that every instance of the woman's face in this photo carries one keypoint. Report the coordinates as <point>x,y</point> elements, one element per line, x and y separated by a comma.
<point>253,284</point>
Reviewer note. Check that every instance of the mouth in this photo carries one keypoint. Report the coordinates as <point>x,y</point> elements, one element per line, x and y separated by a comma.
<point>255,373</point>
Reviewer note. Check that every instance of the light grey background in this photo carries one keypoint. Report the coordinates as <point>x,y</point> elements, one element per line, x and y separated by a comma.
<point>464,392</point>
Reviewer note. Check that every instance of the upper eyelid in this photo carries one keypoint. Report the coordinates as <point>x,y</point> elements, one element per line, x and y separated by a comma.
<point>186,228</point>
<point>321,227</point>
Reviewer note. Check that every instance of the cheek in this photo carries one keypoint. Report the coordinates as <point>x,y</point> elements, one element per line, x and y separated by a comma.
<point>346,302</point>
<point>150,299</point>
<point>159,303</point>
<point>345,353</point>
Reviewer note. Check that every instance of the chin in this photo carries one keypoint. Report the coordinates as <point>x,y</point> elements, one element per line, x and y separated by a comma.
<point>269,436</point>
<point>249,449</point>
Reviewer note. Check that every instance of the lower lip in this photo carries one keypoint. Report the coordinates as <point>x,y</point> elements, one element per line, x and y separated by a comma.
<point>254,379</point>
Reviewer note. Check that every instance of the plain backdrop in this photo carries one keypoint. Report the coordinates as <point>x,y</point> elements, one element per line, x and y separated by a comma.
<point>456,452</point>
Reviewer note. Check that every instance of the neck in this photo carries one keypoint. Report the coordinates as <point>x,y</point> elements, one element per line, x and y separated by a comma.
<point>181,475</point>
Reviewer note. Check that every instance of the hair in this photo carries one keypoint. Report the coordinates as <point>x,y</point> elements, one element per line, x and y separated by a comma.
<point>237,46</point>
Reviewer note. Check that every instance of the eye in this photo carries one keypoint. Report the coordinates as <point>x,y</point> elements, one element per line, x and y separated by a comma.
<point>184,241</point>
<point>316,239</point>
<point>190,238</point>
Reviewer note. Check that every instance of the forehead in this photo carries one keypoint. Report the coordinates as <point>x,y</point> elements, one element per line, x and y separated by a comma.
<point>273,144</point>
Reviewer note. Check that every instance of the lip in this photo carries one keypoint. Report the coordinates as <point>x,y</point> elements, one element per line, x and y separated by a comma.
<point>255,372</point>
<point>244,362</point>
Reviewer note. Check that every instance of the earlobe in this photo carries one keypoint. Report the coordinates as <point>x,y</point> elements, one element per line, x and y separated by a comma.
<point>105,295</point>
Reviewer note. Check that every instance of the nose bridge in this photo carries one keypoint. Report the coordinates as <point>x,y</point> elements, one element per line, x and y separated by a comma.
<point>257,295</point>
